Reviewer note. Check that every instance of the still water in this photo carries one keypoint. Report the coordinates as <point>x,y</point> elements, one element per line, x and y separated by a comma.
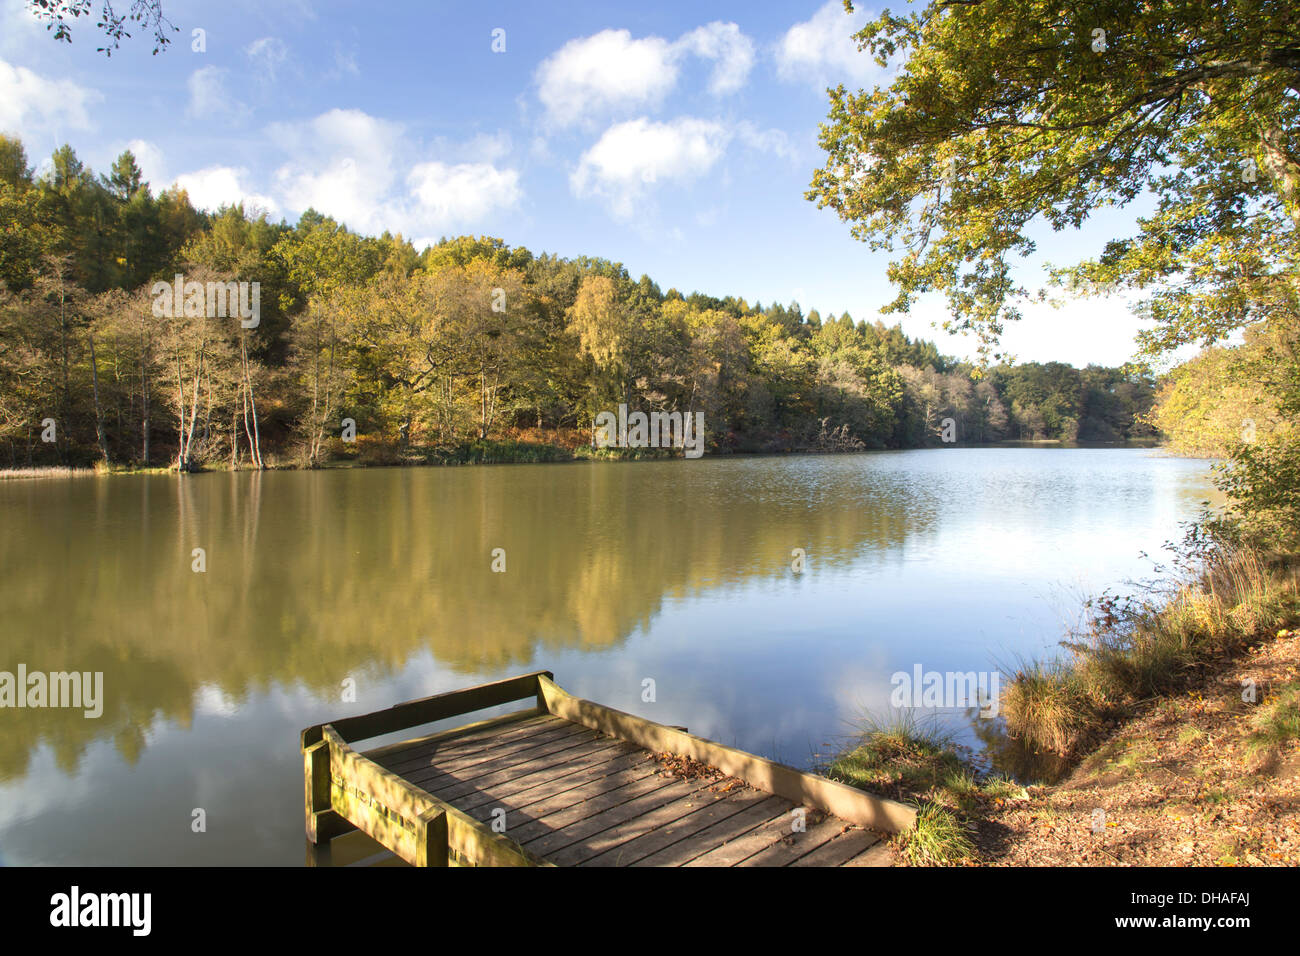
<point>679,572</point>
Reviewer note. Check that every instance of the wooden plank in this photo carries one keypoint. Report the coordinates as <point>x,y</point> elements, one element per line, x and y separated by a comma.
<point>426,710</point>
<point>615,837</point>
<point>748,843</point>
<point>879,855</point>
<point>837,799</point>
<point>575,813</point>
<point>568,792</point>
<point>456,749</point>
<point>678,830</point>
<point>533,787</point>
<point>470,795</point>
<point>617,814</point>
<point>548,754</point>
<point>840,850</point>
<point>477,733</point>
<point>683,851</point>
<point>449,786</point>
<point>455,763</point>
<point>794,845</point>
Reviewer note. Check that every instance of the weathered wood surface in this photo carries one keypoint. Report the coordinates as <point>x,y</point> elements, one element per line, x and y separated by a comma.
<point>847,803</point>
<point>573,783</point>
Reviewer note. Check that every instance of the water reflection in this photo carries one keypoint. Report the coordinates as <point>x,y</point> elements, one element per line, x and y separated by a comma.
<point>677,570</point>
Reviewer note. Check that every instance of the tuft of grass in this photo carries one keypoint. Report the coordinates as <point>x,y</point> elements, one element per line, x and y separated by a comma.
<point>1140,650</point>
<point>590,453</point>
<point>12,474</point>
<point>998,787</point>
<point>938,839</point>
<point>1050,704</point>
<point>488,451</point>
<point>1278,723</point>
<point>901,757</point>
<point>921,765</point>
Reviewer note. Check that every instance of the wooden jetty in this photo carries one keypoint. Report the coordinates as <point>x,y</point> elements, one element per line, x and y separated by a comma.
<point>569,782</point>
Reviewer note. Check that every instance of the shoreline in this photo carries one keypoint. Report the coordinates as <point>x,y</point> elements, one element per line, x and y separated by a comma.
<point>1197,765</point>
<point>520,453</point>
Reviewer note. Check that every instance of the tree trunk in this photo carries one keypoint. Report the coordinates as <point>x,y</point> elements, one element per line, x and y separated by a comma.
<point>63,344</point>
<point>145,355</point>
<point>94,388</point>
<point>250,403</point>
<point>1282,170</point>
<point>180,408</point>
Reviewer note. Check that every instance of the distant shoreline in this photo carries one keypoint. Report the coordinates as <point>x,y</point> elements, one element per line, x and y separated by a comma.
<point>516,453</point>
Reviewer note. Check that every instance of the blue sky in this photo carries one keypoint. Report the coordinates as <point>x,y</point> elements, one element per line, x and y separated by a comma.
<point>676,138</point>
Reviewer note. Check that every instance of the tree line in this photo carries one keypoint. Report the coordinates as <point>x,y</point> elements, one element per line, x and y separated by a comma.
<point>467,342</point>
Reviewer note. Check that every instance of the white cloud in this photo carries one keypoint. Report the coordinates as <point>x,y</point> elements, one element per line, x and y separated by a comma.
<point>731,51</point>
<point>607,71</point>
<point>821,51</point>
<point>633,156</point>
<point>32,104</point>
<point>217,186</point>
<point>540,150</point>
<point>610,71</point>
<point>773,141</point>
<point>342,164</point>
<point>483,148</point>
<point>464,192</point>
<point>208,94</point>
<point>345,62</point>
<point>267,54</point>
<point>361,170</point>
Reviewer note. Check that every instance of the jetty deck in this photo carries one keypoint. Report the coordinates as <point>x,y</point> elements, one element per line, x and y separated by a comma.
<point>569,782</point>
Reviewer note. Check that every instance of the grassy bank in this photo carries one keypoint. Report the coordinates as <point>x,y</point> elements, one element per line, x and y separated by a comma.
<point>919,765</point>
<point>1186,698</point>
<point>1140,649</point>
<point>366,453</point>
<point>99,470</point>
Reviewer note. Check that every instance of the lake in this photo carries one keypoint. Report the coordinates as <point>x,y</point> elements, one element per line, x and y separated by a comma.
<point>381,581</point>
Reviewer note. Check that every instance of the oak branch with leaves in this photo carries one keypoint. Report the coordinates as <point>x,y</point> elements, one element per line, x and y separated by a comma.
<point>60,14</point>
<point>1002,113</point>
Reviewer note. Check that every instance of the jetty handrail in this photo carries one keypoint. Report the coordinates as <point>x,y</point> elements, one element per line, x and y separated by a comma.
<point>426,710</point>
<point>838,799</point>
<point>347,790</point>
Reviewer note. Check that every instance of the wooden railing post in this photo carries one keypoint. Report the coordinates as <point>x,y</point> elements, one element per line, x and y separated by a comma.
<point>432,848</point>
<point>323,822</point>
<point>316,779</point>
